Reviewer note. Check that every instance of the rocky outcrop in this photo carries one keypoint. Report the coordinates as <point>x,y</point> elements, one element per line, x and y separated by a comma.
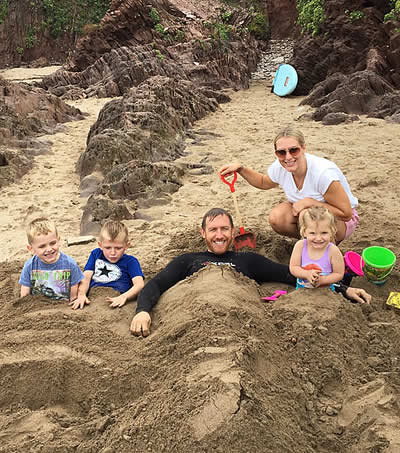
<point>363,92</point>
<point>25,113</point>
<point>171,62</point>
<point>131,144</point>
<point>13,165</point>
<point>129,47</point>
<point>144,183</point>
<point>148,123</point>
<point>352,38</point>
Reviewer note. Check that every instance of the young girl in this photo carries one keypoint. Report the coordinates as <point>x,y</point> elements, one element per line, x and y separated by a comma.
<point>316,260</point>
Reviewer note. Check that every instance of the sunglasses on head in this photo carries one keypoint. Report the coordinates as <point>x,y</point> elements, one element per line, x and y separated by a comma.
<point>293,151</point>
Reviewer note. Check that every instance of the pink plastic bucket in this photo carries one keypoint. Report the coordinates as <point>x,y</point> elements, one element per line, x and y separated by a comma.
<point>354,263</point>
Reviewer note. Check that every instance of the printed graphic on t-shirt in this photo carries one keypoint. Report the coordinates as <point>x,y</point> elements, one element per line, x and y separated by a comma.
<point>54,284</point>
<point>219,263</point>
<point>105,272</point>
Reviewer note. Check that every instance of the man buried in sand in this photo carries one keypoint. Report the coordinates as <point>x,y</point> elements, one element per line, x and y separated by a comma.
<point>109,266</point>
<point>49,272</point>
<point>218,232</point>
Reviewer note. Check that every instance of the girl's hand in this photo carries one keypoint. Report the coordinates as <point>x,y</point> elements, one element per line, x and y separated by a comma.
<point>313,277</point>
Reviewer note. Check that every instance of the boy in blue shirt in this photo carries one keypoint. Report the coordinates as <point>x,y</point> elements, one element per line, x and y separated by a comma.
<point>49,272</point>
<point>109,266</point>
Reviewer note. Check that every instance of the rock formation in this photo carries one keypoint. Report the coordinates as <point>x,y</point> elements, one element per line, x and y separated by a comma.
<point>358,48</point>
<point>363,92</point>
<point>25,113</point>
<point>138,40</point>
<point>171,63</point>
<point>131,136</point>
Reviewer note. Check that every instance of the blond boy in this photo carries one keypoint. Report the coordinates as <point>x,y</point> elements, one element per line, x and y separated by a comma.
<point>108,265</point>
<point>49,272</point>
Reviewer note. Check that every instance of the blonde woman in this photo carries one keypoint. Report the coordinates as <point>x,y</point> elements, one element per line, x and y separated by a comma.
<point>307,180</point>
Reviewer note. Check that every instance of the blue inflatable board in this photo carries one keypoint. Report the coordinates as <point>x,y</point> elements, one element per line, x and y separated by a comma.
<point>285,80</point>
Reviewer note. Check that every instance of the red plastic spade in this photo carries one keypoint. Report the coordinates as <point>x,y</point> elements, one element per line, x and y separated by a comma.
<point>245,238</point>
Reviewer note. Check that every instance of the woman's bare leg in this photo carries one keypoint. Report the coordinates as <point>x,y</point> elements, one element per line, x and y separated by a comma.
<point>341,231</point>
<point>283,221</point>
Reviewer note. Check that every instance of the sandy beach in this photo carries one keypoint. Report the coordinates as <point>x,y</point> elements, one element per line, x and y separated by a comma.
<point>220,362</point>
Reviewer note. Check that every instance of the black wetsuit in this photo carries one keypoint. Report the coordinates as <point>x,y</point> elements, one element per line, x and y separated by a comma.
<point>253,265</point>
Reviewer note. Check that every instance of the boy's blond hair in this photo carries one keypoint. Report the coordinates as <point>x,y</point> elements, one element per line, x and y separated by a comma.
<point>113,229</point>
<point>41,225</point>
<point>316,214</point>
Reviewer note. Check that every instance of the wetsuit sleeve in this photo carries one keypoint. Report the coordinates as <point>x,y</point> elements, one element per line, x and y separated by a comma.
<point>341,288</point>
<point>174,272</point>
<point>262,270</point>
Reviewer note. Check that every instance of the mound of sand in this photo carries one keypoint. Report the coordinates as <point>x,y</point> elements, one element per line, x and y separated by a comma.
<point>310,372</point>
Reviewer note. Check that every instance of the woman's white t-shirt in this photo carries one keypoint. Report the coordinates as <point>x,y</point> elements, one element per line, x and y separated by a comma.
<point>320,174</point>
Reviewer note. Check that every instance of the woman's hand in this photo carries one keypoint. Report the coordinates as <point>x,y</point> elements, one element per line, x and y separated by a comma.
<point>229,169</point>
<point>303,204</point>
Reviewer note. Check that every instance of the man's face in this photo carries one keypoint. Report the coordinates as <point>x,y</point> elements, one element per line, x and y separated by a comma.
<point>218,234</point>
<point>46,247</point>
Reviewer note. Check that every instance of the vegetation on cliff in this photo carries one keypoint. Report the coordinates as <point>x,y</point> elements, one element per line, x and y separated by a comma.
<point>311,15</point>
<point>38,22</point>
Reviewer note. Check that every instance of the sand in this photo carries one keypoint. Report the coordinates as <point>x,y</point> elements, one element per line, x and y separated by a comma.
<point>221,371</point>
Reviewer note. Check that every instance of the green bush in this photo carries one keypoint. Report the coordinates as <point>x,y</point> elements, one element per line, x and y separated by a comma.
<point>3,10</point>
<point>259,26</point>
<point>394,14</point>
<point>311,15</point>
<point>66,16</point>
<point>31,38</point>
<point>159,54</point>
<point>354,15</point>
<point>154,16</point>
<point>219,30</point>
<point>159,28</point>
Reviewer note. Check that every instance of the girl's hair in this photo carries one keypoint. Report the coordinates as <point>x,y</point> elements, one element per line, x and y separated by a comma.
<point>290,131</point>
<point>113,229</point>
<point>316,214</point>
<point>41,225</point>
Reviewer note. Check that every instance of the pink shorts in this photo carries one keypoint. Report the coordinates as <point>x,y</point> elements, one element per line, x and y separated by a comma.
<point>351,225</point>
